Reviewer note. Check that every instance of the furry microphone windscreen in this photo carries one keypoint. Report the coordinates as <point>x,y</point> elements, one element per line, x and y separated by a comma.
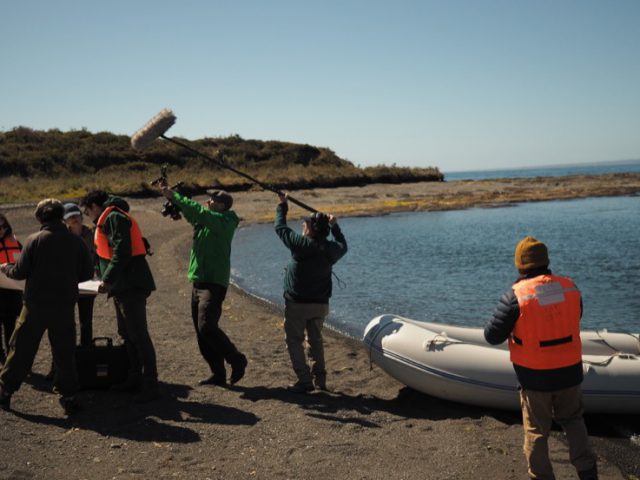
<point>153,129</point>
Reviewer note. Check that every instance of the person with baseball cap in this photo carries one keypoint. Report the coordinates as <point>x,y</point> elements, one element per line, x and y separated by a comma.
<point>540,316</point>
<point>214,225</point>
<point>74,220</point>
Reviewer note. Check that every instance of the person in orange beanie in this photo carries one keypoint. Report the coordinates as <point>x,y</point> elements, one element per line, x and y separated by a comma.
<point>540,316</point>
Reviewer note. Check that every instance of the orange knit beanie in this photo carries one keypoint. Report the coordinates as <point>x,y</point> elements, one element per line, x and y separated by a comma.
<point>531,254</point>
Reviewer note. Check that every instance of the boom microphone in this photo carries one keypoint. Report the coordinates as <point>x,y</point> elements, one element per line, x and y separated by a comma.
<point>158,125</point>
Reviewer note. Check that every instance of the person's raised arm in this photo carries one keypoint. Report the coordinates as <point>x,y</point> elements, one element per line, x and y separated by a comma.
<point>291,239</point>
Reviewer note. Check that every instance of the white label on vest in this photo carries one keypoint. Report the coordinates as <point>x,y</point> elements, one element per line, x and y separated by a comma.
<point>549,293</point>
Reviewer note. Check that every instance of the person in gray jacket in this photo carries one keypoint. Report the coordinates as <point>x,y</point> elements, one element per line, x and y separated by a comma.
<point>307,289</point>
<point>73,220</point>
<point>53,262</point>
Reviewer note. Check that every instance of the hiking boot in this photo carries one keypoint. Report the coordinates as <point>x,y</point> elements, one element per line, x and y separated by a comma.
<point>301,387</point>
<point>5,399</point>
<point>69,405</point>
<point>591,474</point>
<point>131,384</point>
<point>52,372</point>
<point>218,380</point>
<point>321,385</point>
<point>238,367</point>
<point>148,393</point>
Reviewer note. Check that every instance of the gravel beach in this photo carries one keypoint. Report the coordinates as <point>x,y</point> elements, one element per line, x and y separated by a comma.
<point>367,427</point>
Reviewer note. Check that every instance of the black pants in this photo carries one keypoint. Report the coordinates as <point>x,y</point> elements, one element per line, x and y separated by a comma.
<point>85,318</point>
<point>206,309</point>
<point>10,306</point>
<point>131,314</point>
<point>35,319</point>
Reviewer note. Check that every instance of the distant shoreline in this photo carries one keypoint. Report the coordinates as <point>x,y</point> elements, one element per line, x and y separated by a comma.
<point>607,163</point>
<point>381,199</point>
<point>256,206</point>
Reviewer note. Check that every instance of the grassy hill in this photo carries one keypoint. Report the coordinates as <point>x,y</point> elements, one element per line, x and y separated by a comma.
<point>35,164</point>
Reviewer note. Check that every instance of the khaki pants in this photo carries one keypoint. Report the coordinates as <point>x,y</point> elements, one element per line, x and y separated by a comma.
<point>564,407</point>
<point>309,317</point>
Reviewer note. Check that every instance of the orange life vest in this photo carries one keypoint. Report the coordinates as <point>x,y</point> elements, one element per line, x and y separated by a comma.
<point>547,333</point>
<point>9,246</point>
<point>104,250</point>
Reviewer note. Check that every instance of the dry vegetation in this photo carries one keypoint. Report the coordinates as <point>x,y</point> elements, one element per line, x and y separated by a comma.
<point>36,164</point>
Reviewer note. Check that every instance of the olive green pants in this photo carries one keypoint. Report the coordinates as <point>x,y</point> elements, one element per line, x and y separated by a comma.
<point>58,321</point>
<point>539,410</point>
<point>298,319</point>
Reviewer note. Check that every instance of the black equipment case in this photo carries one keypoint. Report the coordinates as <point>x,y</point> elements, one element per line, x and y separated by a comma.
<point>102,364</point>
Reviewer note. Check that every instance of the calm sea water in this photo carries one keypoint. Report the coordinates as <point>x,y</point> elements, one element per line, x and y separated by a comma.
<point>590,169</point>
<point>452,267</point>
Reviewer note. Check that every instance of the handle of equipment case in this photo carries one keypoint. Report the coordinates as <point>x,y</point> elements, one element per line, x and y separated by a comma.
<point>107,340</point>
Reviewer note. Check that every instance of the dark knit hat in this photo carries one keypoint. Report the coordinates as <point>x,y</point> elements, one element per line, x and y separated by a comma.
<point>531,254</point>
<point>222,197</point>
<point>319,224</point>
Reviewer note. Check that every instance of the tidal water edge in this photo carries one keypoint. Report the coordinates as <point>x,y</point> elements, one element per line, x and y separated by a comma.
<point>452,266</point>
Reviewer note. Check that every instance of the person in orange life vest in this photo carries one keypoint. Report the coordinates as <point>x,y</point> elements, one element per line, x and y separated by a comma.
<point>10,300</point>
<point>126,277</point>
<point>540,316</point>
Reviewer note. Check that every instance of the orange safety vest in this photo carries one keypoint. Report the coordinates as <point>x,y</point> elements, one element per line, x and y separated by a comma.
<point>104,250</point>
<point>9,246</point>
<point>547,333</point>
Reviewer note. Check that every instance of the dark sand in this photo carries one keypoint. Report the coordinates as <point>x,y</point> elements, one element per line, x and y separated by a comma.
<point>369,427</point>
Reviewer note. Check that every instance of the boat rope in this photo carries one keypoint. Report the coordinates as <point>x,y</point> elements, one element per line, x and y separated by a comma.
<point>609,359</point>
<point>341,283</point>
<point>379,330</point>
<point>445,340</point>
<point>599,332</point>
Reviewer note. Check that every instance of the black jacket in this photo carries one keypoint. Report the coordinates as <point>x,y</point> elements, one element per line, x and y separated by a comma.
<point>308,275</point>
<point>500,327</point>
<point>53,262</point>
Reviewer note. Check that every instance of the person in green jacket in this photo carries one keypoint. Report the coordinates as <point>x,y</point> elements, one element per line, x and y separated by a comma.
<point>307,289</point>
<point>209,269</point>
<point>126,277</point>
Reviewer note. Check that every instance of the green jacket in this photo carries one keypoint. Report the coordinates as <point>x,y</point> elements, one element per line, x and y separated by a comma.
<point>307,278</point>
<point>123,272</point>
<point>210,258</point>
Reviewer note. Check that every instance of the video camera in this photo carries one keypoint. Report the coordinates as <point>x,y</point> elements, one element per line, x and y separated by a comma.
<point>168,208</point>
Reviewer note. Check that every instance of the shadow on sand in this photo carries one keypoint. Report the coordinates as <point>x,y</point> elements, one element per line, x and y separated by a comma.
<point>336,405</point>
<point>117,415</point>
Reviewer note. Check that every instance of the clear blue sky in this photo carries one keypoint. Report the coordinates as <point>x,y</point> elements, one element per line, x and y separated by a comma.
<point>456,84</point>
